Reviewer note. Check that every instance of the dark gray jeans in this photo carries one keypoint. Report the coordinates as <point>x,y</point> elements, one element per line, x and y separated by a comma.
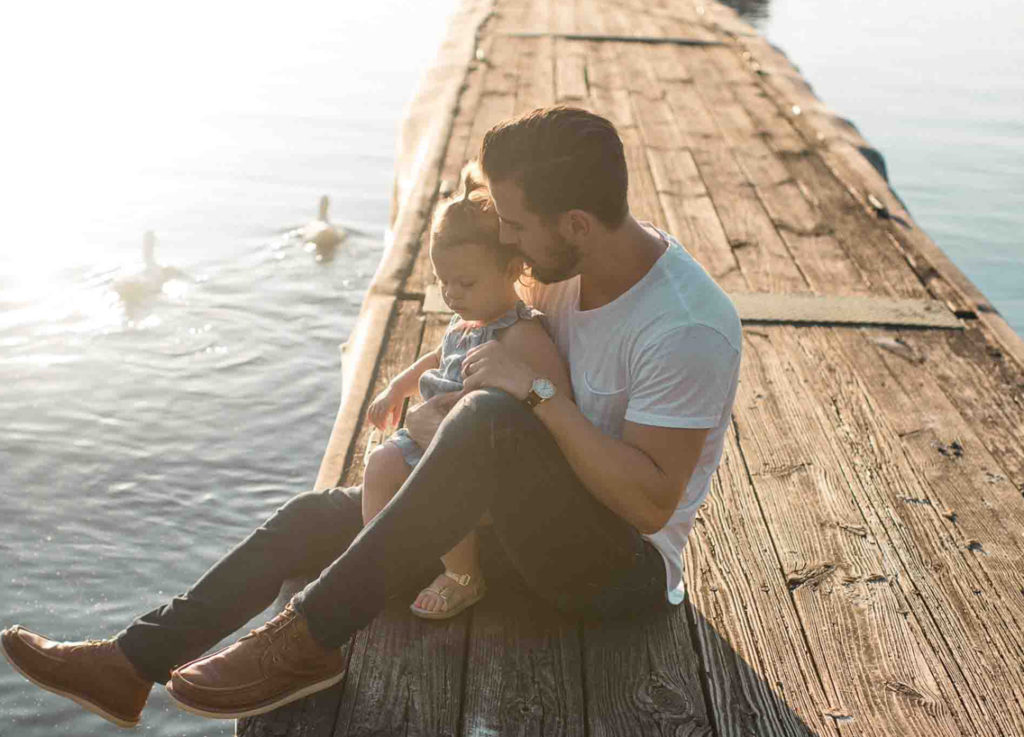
<point>490,453</point>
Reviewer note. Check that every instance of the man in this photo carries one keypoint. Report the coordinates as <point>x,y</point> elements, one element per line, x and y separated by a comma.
<point>591,501</point>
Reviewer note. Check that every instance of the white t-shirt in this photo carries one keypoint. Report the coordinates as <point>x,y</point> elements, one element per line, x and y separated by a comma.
<point>667,353</point>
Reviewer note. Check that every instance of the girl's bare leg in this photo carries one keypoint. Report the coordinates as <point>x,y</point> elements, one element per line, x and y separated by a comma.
<point>386,471</point>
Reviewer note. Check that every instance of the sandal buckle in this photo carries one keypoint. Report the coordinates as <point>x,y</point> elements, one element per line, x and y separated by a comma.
<point>462,579</point>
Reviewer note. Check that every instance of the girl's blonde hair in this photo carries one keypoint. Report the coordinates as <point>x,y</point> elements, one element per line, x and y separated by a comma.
<point>469,216</point>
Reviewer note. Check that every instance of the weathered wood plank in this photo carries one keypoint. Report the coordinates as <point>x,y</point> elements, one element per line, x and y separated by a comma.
<point>762,255</point>
<point>570,72</point>
<point>536,74</point>
<point>524,663</point>
<point>986,388</point>
<point>404,332</point>
<point>841,152</point>
<point>761,677</point>
<point>962,629</point>
<point>982,509</point>
<point>405,676</point>
<point>313,716</point>
<point>879,670</point>
<point>871,251</point>
<point>612,100</point>
<point>563,17</point>
<point>643,676</point>
<point>963,479</point>
<point>359,356</point>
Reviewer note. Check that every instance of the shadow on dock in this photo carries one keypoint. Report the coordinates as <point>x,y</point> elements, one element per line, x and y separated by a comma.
<point>514,665</point>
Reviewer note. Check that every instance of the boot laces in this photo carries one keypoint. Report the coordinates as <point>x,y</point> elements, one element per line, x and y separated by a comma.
<point>275,645</point>
<point>87,644</point>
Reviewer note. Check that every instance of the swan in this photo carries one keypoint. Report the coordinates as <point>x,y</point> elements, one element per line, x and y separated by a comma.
<point>320,232</point>
<point>133,287</point>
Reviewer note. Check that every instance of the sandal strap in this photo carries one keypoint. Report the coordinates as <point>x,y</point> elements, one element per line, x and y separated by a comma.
<point>462,579</point>
<point>441,593</point>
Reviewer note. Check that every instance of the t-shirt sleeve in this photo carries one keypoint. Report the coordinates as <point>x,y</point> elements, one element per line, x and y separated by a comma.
<point>683,379</point>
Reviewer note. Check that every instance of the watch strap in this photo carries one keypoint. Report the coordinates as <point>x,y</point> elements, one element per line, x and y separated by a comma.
<point>532,399</point>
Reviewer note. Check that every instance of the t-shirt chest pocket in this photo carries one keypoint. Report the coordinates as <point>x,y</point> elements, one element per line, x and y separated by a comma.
<point>602,395</point>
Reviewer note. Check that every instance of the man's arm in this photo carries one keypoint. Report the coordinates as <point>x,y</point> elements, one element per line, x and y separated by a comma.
<point>641,477</point>
<point>654,462</point>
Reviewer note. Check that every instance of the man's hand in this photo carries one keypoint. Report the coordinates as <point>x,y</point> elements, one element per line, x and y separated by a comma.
<point>491,364</point>
<point>422,420</point>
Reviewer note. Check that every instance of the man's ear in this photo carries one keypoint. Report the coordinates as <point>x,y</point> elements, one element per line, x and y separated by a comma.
<point>576,225</point>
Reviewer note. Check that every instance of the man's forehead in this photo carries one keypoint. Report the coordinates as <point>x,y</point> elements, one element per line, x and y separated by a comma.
<point>508,200</point>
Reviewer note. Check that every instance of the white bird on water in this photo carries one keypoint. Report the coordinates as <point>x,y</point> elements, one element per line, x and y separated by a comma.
<point>320,232</point>
<point>149,281</point>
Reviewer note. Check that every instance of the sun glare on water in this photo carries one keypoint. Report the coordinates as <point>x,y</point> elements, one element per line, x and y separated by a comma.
<point>114,108</point>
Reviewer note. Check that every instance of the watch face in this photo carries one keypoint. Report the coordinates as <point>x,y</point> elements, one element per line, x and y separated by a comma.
<point>544,388</point>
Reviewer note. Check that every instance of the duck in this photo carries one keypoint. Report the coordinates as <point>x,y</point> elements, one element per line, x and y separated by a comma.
<point>320,232</point>
<point>148,281</point>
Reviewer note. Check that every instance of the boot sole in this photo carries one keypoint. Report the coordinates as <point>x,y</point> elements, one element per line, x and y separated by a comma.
<point>81,701</point>
<point>254,710</point>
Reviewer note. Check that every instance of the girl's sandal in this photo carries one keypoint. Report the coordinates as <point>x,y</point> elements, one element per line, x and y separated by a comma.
<point>465,592</point>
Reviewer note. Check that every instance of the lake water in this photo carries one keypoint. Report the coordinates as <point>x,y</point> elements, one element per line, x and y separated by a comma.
<point>139,442</point>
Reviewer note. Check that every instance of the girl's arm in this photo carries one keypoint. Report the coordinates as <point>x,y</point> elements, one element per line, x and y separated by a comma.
<point>406,383</point>
<point>386,407</point>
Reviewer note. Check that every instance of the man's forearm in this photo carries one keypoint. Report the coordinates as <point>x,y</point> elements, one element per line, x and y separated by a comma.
<point>621,477</point>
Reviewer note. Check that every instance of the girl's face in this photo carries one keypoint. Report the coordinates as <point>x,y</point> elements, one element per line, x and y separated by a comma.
<point>473,285</point>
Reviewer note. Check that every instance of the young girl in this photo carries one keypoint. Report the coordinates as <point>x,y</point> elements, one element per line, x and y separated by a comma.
<point>477,275</point>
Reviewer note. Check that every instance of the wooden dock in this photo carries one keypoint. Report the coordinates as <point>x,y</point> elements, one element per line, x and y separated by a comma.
<point>858,568</point>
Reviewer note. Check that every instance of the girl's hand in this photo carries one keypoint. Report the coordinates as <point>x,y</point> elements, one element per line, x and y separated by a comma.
<point>492,364</point>
<point>385,409</point>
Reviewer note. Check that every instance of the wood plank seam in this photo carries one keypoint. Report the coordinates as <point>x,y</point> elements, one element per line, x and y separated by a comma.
<point>615,39</point>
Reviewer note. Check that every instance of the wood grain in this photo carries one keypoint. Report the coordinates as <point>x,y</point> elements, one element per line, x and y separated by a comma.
<point>878,665</point>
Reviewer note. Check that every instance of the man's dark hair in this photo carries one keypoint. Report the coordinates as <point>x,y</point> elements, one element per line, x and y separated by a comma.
<point>563,158</point>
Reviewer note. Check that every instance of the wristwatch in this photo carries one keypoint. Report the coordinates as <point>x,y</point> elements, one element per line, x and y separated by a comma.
<point>540,391</point>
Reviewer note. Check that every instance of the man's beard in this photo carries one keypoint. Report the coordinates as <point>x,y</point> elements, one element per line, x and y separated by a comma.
<point>566,259</point>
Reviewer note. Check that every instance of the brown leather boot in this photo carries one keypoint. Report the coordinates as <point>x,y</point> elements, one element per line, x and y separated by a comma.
<point>95,674</point>
<point>271,666</point>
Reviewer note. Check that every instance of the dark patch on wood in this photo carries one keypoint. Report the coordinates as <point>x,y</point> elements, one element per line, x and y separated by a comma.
<point>953,450</point>
<point>813,575</point>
